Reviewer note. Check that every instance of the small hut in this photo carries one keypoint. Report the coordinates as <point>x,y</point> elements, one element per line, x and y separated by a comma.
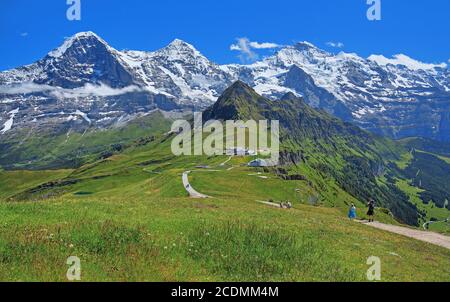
<point>259,162</point>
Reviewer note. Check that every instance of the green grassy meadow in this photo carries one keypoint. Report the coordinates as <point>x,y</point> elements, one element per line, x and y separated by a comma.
<point>128,218</point>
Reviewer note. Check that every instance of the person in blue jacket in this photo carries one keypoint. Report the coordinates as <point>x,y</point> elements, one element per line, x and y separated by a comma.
<point>352,212</point>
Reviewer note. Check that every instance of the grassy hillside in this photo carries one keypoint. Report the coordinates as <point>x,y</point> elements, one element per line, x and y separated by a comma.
<point>57,148</point>
<point>129,218</point>
<point>424,177</point>
<point>14,182</point>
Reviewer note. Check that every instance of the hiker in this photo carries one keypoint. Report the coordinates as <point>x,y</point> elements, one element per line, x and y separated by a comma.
<point>371,211</point>
<point>352,212</point>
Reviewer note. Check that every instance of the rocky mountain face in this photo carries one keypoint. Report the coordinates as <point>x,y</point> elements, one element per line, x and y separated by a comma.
<point>394,100</point>
<point>87,83</point>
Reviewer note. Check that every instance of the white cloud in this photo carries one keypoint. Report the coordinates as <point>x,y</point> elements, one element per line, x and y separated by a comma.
<point>88,90</point>
<point>25,34</point>
<point>402,59</point>
<point>335,44</point>
<point>264,45</point>
<point>235,47</point>
<point>247,54</point>
<point>245,46</point>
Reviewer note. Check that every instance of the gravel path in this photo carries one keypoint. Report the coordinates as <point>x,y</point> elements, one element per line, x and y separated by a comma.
<point>225,162</point>
<point>192,192</point>
<point>268,203</point>
<point>430,237</point>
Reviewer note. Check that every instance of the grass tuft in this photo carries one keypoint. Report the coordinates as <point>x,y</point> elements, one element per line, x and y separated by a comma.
<point>239,251</point>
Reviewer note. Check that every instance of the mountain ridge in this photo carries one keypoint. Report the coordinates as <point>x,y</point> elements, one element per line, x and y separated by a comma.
<point>384,98</point>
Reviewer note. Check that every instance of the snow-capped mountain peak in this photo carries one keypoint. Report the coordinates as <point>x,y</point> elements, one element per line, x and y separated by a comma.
<point>83,38</point>
<point>181,45</point>
<point>181,50</point>
<point>304,45</point>
<point>404,60</point>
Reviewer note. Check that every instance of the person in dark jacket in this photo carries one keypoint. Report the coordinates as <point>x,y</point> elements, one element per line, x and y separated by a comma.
<point>371,211</point>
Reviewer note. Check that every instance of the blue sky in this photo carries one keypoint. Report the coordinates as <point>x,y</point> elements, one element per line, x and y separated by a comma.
<point>420,29</point>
